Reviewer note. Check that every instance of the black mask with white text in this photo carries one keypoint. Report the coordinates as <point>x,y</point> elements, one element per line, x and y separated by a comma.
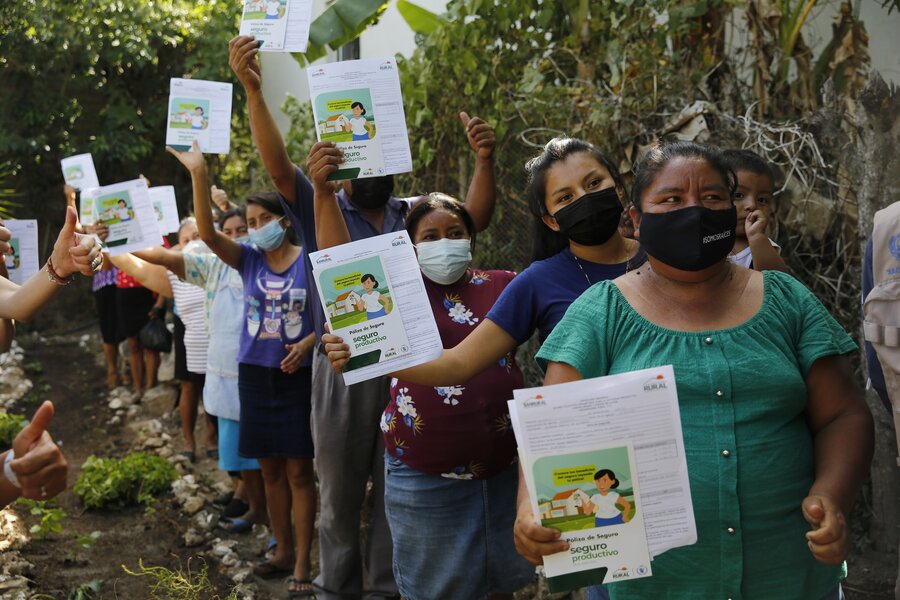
<point>689,239</point>
<point>592,219</point>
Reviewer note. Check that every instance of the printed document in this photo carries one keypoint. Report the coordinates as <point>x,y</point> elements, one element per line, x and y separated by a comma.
<point>199,110</point>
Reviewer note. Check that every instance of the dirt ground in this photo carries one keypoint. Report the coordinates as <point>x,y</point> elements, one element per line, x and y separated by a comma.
<point>69,376</point>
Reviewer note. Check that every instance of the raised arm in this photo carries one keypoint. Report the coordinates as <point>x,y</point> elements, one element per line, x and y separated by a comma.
<point>172,260</point>
<point>765,256</point>
<point>72,253</point>
<point>242,52</point>
<point>331,229</point>
<point>482,195</point>
<point>224,247</point>
<point>486,345</point>
<point>152,277</point>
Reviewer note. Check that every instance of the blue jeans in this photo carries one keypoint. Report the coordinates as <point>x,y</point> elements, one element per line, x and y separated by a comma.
<point>453,539</point>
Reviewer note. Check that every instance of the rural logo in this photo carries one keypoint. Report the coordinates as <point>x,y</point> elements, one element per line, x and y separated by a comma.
<point>398,241</point>
<point>535,401</point>
<point>655,383</point>
<point>319,73</point>
<point>894,246</point>
<point>387,66</point>
<point>323,259</point>
<point>621,572</point>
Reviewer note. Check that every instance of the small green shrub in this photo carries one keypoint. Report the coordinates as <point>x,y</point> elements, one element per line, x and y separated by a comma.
<point>86,591</point>
<point>50,518</point>
<point>135,479</point>
<point>179,584</point>
<point>10,426</point>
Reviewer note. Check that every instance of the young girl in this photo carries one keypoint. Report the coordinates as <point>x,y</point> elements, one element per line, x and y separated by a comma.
<point>359,125</point>
<point>607,506</point>
<point>575,195</point>
<point>273,370</point>
<point>371,301</point>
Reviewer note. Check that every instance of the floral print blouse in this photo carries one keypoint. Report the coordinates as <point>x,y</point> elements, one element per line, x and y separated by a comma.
<point>459,431</point>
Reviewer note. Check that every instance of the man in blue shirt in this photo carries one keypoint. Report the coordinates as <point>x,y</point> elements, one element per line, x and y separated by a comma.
<point>345,420</point>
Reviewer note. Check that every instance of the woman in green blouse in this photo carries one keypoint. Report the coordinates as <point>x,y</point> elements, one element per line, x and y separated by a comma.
<point>778,438</point>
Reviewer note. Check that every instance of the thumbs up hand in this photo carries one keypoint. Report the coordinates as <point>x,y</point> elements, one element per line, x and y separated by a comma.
<point>480,135</point>
<point>39,465</point>
<point>74,252</point>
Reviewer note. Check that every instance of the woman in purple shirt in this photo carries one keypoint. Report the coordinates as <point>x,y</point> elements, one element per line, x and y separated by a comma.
<point>274,375</point>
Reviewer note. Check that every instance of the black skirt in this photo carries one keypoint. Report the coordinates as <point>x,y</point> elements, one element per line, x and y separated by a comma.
<point>275,410</point>
<point>105,299</point>
<point>132,309</point>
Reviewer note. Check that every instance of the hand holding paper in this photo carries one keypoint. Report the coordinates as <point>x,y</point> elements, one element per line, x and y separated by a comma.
<point>324,160</point>
<point>193,159</point>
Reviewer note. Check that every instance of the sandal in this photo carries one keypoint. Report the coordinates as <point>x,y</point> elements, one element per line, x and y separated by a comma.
<point>235,508</point>
<point>266,570</point>
<point>236,525</point>
<point>300,588</point>
<point>224,499</point>
<point>188,455</point>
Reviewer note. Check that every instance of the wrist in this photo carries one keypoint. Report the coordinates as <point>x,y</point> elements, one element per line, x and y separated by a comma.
<point>56,270</point>
<point>482,161</point>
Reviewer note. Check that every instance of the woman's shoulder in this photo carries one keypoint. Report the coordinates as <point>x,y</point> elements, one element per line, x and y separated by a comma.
<point>785,291</point>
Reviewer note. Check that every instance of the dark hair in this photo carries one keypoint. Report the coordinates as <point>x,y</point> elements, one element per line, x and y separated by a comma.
<point>547,242</point>
<point>368,276</point>
<point>609,474</point>
<point>238,211</point>
<point>437,201</point>
<point>660,155</point>
<point>747,160</point>
<point>200,108</point>
<point>270,202</point>
<point>122,200</point>
<point>359,104</point>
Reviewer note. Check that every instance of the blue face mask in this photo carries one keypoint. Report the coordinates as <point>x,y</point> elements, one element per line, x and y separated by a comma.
<point>268,237</point>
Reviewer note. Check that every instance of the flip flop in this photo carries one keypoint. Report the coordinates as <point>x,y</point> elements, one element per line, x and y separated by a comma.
<point>188,455</point>
<point>237,525</point>
<point>212,453</point>
<point>224,499</point>
<point>266,570</point>
<point>307,592</point>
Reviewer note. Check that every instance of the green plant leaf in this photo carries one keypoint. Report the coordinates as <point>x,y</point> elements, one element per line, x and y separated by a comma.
<point>420,20</point>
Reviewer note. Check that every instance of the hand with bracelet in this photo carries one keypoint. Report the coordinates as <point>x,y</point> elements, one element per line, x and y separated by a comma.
<point>35,467</point>
<point>73,252</point>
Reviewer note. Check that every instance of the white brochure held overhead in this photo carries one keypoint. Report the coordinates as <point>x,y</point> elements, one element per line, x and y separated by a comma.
<point>165,207</point>
<point>127,211</point>
<point>24,261</point>
<point>566,430</point>
<point>281,25</point>
<point>358,105</point>
<point>374,298</point>
<point>199,110</point>
<point>79,172</point>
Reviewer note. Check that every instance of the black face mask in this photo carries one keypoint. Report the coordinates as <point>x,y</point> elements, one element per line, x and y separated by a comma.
<point>592,219</point>
<point>372,192</point>
<point>689,239</point>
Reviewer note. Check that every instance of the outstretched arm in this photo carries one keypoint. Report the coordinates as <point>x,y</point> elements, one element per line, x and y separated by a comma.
<point>224,247</point>
<point>172,260</point>
<point>482,195</point>
<point>152,277</point>
<point>7,326</point>
<point>242,52</point>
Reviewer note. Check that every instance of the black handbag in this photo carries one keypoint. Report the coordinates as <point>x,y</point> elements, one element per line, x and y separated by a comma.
<point>156,336</point>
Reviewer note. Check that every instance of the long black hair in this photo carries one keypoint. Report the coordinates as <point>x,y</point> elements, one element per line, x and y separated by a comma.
<point>547,242</point>
<point>659,156</point>
<point>269,201</point>
<point>435,201</point>
<point>609,474</point>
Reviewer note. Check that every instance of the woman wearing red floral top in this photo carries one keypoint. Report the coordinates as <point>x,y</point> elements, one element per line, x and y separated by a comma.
<point>450,464</point>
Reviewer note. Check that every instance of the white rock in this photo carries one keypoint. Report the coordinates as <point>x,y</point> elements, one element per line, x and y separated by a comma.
<point>154,442</point>
<point>192,504</point>
<point>116,403</point>
<point>231,559</point>
<point>192,537</point>
<point>240,575</point>
<point>154,426</point>
<point>115,420</point>
<point>132,410</point>
<point>222,548</point>
<point>165,437</point>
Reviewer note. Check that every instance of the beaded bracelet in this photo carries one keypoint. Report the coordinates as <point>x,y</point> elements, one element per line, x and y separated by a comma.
<point>53,276</point>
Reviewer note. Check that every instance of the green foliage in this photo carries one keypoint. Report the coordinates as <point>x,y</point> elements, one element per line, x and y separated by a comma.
<point>10,426</point>
<point>342,22</point>
<point>87,541</point>
<point>49,518</point>
<point>135,479</point>
<point>301,136</point>
<point>93,76</point>
<point>419,19</point>
<point>179,584</point>
<point>34,368</point>
<point>86,591</point>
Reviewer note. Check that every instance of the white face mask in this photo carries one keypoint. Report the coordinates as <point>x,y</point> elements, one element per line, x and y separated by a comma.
<point>444,261</point>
